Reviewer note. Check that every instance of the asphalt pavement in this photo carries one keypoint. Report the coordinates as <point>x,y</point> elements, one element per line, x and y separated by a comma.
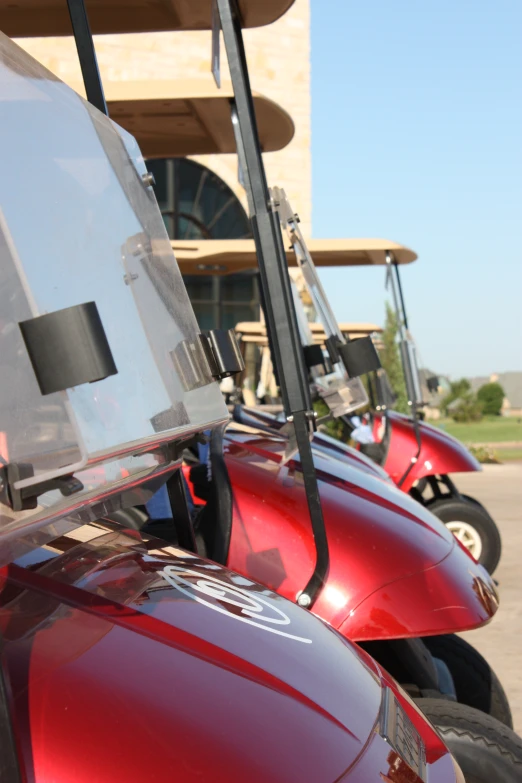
<point>499,488</point>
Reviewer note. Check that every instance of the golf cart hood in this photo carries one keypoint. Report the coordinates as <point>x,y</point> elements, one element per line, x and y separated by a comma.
<point>340,451</point>
<point>395,570</point>
<point>321,442</point>
<point>194,661</point>
<point>440,453</point>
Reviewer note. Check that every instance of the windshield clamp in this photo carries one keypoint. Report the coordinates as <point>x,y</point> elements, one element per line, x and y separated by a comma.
<point>68,347</point>
<point>27,497</point>
<point>313,356</point>
<point>282,205</point>
<point>359,357</point>
<point>222,353</point>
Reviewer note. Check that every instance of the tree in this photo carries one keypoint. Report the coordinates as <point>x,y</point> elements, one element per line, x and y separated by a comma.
<point>458,389</point>
<point>391,360</point>
<point>491,395</point>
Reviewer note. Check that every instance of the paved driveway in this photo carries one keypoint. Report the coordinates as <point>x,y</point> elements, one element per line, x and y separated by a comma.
<point>499,487</point>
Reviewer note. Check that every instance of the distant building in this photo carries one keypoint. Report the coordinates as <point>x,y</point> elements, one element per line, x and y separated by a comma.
<point>511,382</point>
<point>454,405</point>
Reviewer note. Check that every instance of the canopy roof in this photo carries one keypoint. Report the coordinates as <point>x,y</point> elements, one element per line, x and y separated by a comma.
<point>255,331</point>
<point>351,330</point>
<point>50,17</point>
<point>252,332</point>
<point>225,256</point>
<point>188,117</point>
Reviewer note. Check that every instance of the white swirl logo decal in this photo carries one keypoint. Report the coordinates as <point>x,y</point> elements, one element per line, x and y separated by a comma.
<point>230,600</point>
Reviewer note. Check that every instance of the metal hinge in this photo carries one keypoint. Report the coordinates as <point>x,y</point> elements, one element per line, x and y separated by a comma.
<point>281,204</point>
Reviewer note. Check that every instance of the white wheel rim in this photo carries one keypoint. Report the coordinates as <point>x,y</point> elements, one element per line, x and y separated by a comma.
<point>468,536</point>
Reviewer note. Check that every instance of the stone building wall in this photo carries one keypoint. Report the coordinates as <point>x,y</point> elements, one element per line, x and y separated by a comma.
<point>279,62</point>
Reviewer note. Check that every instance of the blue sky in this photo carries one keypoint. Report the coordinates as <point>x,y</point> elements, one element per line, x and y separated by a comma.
<point>417,137</point>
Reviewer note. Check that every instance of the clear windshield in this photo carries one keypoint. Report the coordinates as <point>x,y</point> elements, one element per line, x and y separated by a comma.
<point>407,345</point>
<point>79,225</point>
<point>341,393</point>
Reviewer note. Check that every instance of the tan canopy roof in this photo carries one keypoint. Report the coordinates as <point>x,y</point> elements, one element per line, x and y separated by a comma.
<point>252,332</point>
<point>255,331</point>
<point>351,330</point>
<point>188,117</point>
<point>20,18</point>
<point>224,256</point>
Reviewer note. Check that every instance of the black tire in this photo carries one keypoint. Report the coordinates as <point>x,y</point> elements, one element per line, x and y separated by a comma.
<point>476,683</point>
<point>471,499</point>
<point>457,510</point>
<point>486,750</point>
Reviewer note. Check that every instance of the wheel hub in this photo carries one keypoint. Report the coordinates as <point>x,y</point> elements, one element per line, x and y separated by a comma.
<point>468,536</point>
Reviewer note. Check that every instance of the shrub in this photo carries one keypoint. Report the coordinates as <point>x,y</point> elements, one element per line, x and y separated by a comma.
<point>333,427</point>
<point>468,409</point>
<point>485,454</point>
<point>458,389</point>
<point>491,395</point>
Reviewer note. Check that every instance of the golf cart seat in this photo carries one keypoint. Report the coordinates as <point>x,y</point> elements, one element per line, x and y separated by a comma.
<point>204,529</point>
<point>378,451</point>
<point>374,451</point>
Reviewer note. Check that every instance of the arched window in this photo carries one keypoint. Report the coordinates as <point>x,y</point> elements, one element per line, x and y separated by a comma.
<point>197,204</point>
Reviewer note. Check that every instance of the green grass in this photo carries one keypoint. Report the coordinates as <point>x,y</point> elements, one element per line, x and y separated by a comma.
<point>509,455</point>
<point>492,429</point>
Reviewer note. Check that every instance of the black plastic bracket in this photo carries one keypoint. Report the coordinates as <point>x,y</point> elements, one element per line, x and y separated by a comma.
<point>359,357</point>
<point>313,356</point>
<point>222,353</point>
<point>27,498</point>
<point>68,347</point>
<point>331,344</point>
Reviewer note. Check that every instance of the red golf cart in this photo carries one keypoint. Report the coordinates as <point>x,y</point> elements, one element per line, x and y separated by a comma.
<point>417,456</point>
<point>396,437</point>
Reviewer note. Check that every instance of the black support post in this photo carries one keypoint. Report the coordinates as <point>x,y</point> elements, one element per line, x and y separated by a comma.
<point>279,307</point>
<point>401,297</point>
<point>87,54</point>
